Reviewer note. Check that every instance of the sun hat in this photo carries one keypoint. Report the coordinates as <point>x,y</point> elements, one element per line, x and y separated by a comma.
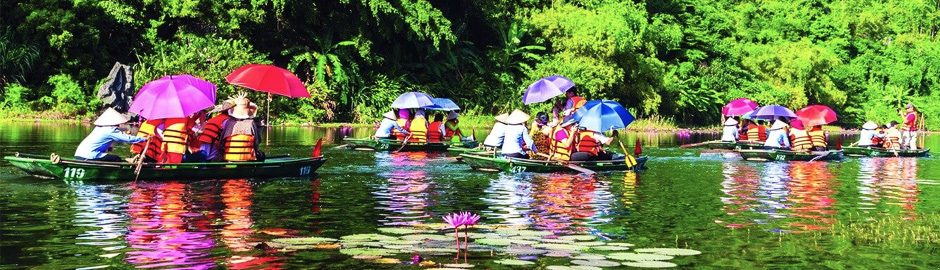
<point>870,125</point>
<point>111,117</point>
<point>224,107</point>
<point>778,125</point>
<point>502,118</point>
<point>731,122</point>
<point>390,115</point>
<point>517,117</point>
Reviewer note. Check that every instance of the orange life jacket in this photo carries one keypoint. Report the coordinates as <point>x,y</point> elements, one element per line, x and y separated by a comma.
<point>818,137</point>
<point>212,131</point>
<point>562,148</point>
<point>149,128</point>
<point>799,140</point>
<point>405,124</point>
<point>756,132</point>
<point>175,134</point>
<point>239,147</point>
<point>434,132</point>
<point>587,143</point>
<point>450,129</point>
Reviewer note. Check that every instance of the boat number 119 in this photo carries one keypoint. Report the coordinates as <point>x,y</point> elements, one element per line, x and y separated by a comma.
<point>305,170</point>
<point>74,173</point>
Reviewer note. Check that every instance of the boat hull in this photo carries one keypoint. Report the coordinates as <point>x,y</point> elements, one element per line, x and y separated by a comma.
<point>496,163</point>
<point>394,145</point>
<point>879,152</point>
<point>734,145</point>
<point>784,155</point>
<point>95,171</point>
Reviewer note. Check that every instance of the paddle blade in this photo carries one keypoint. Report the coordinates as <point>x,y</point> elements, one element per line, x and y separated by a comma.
<point>637,148</point>
<point>631,161</point>
<point>317,148</point>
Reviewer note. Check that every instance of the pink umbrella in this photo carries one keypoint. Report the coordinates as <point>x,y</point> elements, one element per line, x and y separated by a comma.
<point>173,96</point>
<point>738,107</point>
<point>817,115</point>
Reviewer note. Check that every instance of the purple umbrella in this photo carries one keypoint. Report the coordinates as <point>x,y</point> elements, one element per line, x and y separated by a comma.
<point>173,96</point>
<point>738,107</point>
<point>546,88</point>
<point>413,100</point>
<point>774,111</point>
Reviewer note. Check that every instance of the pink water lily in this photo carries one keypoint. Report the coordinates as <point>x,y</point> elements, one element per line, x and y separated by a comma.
<point>466,219</point>
<point>469,219</point>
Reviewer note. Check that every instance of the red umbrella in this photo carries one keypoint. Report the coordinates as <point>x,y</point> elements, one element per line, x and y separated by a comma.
<point>270,79</point>
<point>816,115</point>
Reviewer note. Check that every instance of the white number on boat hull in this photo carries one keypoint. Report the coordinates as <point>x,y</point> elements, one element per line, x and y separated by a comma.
<point>305,170</point>
<point>781,158</point>
<point>517,169</point>
<point>74,173</point>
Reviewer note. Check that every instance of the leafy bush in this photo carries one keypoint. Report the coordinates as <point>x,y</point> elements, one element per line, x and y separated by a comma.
<point>14,98</point>
<point>68,95</point>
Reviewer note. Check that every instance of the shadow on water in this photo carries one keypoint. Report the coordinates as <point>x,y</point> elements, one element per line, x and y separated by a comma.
<point>740,214</point>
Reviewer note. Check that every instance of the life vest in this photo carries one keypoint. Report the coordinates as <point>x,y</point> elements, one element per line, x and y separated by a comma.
<point>561,148</point>
<point>419,130</point>
<point>818,137</point>
<point>577,102</point>
<point>756,133</point>
<point>239,147</point>
<point>910,122</point>
<point>587,143</point>
<point>434,132</point>
<point>404,123</point>
<point>761,133</point>
<point>175,135</point>
<point>799,140</point>
<point>149,128</point>
<point>450,129</point>
<point>744,134</point>
<point>212,131</point>
<point>892,140</point>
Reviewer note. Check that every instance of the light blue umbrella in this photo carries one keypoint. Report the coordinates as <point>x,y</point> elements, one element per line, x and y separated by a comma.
<point>443,104</point>
<point>603,115</point>
<point>774,111</point>
<point>413,100</point>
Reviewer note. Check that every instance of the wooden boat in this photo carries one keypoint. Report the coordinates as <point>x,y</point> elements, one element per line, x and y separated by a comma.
<point>717,144</point>
<point>83,170</point>
<point>854,151</point>
<point>499,163</point>
<point>784,155</point>
<point>394,145</point>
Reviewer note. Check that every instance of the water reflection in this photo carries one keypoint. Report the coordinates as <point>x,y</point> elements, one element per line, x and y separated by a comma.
<point>237,199</point>
<point>97,208</point>
<point>406,195</point>
<point>740,185</point>
<point>160,234</point>
<point>811,196</point>
<point>889,184</point>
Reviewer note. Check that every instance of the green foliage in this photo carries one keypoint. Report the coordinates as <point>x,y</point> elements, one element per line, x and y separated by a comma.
<point>68,95</point>
<point>14,98</point>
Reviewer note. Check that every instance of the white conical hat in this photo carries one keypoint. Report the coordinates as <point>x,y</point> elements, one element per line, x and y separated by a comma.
<point>517,117</point>
<point>452,115</point>
<point>779,125</point>
<point>110,117</point>
<point>731,122</point>
<point>390,115</point>
<point>870,125</point>
<point>502,118</point>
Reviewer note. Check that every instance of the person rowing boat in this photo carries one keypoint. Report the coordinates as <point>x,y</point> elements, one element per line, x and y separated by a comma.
<point>388,126</point>
<point>517,142</point>
<point>109,128</point>
<point>729,133</point>
<point>497,135</point>
<point>778,137</point>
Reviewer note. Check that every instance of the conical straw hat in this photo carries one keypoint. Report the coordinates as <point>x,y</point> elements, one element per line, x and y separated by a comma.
<point>110,117</point>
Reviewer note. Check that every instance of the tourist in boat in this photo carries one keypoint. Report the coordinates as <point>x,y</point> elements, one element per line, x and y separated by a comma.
<point>729,133</point>
<point>818,138</point>
<point>387,126</point>
<point>151,129</point>
<point>107,131</point>
<point>573,102</point>
<point>540,130</point>
<point>589,145</point>
<point>893,136</point>
<point>404,121</point>
<point>436,129</point>
<point>869,135</point>
<point>558,111</point>
<point>452,127</point>
<point>799,138</point>
<point>210,135</point>
<point>240,134</point>
<point>517,142</point>
<point>910,128</point>
<point>754,132</point>
<point>563,140</point>
<point>419,127</point>
<point>497,133</point>
<point>175,136</point>
<point>778,136</point>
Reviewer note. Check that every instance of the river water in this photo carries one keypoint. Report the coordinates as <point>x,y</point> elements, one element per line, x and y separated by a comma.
<point>739,214</point>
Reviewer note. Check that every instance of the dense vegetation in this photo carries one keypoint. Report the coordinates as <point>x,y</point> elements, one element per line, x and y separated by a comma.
<point>680,59</point>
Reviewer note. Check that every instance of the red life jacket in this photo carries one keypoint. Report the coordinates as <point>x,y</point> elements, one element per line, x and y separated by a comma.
<point>149,128</point>
<point>587,143</point>
<point>434,132</point>
<point>450,128</point>
<point>212,131</point>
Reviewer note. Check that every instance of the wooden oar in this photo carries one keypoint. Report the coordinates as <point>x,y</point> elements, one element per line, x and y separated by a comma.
<point>404,143</point>
<point>140,161</point>
<point>695,144</point>
<point>821,156</point>
<point>572,166</point>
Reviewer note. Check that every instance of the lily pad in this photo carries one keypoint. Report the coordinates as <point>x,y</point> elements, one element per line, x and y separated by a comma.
<point>596,263</point>
<point>620,244</point>
<point>556,241</point>
<point>610,248</point>
<point>459,265</point>
<point>624,256</point>
<point>534,233</point>
<point>445,268</point>
<point>573,267</point>
<point>399,247</point>
<point>425,250</point>
<point>513,262</point>
<point>566,247</point>
<point>670,251</point>
<point>650,264</point>
<point>524,250</point>
<point>400,242</point>
<point>367,251</point>
<point>589,244</point>
<point>580,237</point>
<point>303,240</point>
<point>361,244</point>
<point>589,256</point>
<point>367,236</point>
<point>494,241</point>
<point>435,237</point>
<point>367,257</point>
<point>399,230</point>
<point>387,261</point>
<point>557,254</point>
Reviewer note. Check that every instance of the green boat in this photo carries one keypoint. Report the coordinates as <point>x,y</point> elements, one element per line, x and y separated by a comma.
<point>784,155</point>
<point>393,145</point>
<point>720,145</point>
<point>99,171</point>
<point>499,163</point>
<point>881,152</point>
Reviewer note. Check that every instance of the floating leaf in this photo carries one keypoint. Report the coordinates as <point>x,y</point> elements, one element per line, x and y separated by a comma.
<point>524,250</point>
<point>399,247</point>
<point>620,244</point>
<point>367,236</point>
<point>566,247</point>
<point>582,237</point>
<point>670,251</point>
<point>573,267</point>
<point>556,241</point>
<point>434,250</point>
<point>610,248</point>
<point>650,264</point>
<point>366,257</point>
<point>513,262</point>
<point>623,256</point>
<point>399,230</point>
<point>327,246</point>
<point>596,263</point>
<point>303,240</point>
<point>367,251</point>
<point>387,261</point>
<point>534,233</point>
<point>362,244</point>
<point>589,256</point>
<point>400,242</point>
<point>435,237</point>
<point>494,241</point>
<point>459,265</point>
<point>445,268</point>
<point>589,244</point>
<point>557,254</point>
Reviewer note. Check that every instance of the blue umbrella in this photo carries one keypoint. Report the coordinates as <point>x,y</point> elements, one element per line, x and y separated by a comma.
<point>546,88</point>
<point>413,100</point>
<point>602,115</point>
<point>443,104</point>
<point>774,111</point>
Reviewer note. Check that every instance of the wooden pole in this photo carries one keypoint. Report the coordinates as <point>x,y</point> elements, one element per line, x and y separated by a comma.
<point>267,122</point>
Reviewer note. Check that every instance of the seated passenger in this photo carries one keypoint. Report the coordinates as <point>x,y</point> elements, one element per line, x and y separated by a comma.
<point>107,131</point>
<point>404,121</point>
<point>517,142</point>
<point>497,134</point>
<point>818,138</point>
<point>892,136</point>
<point>590,146</point>
<point>729,132</point>
<point>868,135</point>
<point>210,138</point>
<point>419,127</point>
<point>799,138</point>
<point>452,128</point>
<point>540,130</point>
<point>240,134</point>
<point>778,137</point>
<point>388,126</point>
<point>563,140</point>
<point>436,129</point>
